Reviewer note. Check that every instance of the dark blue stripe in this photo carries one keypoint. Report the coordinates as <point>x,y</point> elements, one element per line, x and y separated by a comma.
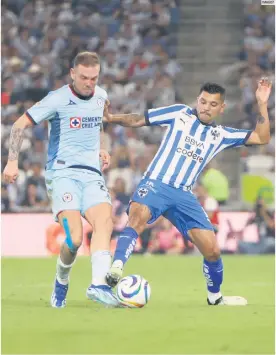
<point>86,168</point>
<point>171,154</point>
<point>161,151</point>
<point>204,134</point>
<point>147,118</point>
<point>247,137</point>
<point>194,128</point>
<point>179,165</point>
<point>202,165</point>
<point>190,169</point>
<point>163,111</point>
<point>30,117</point>
<point>54,141</point>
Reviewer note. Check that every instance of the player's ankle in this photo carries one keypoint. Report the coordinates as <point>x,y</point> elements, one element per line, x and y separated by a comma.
<point>118,264</point>
<point>213,296</point>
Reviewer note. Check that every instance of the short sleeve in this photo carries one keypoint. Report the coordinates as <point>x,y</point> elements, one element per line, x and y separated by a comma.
<point>235,137</point>
<point>43,110</point>
<point>162,116</point>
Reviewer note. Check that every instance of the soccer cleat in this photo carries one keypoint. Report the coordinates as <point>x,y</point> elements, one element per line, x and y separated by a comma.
<point>58,299</point>
<point>104,295</point>
<point>114,276</point>
<point>229,301</point>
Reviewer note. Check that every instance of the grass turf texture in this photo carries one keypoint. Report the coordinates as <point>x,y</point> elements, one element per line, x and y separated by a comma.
<point>176,320</point>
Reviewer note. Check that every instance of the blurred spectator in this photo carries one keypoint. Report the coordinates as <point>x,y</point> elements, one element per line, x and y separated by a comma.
<point>119,190</point>
<point>165,239</point>
<point>265,221</point>
<point>209,204</point>
<point>216,184</point>
<point>119,215</point>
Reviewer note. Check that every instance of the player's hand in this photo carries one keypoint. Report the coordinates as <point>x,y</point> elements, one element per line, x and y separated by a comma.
<point>11,171</point>
<point>263,91</point>
<point>105,158</point>
<point>107,115</point>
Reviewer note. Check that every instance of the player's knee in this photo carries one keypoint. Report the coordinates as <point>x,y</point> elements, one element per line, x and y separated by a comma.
<point>137,222</point>
<point>212,252</point>
<point>73,239</point>
<point>103,225</point>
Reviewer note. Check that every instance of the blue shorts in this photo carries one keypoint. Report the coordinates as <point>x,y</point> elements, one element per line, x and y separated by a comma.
<point>180,207</point>
<point>75,189</point>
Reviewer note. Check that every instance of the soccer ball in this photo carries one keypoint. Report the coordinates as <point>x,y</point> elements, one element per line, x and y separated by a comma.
<point>133,291</point>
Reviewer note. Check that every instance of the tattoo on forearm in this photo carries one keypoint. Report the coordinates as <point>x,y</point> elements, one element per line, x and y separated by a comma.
<point>260,119</point>
<point>130,120</point>
<point>16,139</point>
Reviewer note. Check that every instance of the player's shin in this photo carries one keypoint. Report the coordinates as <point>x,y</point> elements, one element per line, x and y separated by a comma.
<point>64,264</point>
<point>213,273</point>
<point>125,246</point>
<point>101,262</point>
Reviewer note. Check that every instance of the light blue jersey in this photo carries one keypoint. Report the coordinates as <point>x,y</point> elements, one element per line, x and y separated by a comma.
<point>188,145</point>
<point>74,127</point>
<point>73,174</point>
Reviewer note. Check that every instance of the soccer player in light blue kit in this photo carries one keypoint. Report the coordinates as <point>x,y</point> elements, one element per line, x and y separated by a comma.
<point>191,140</point>
<point>73,173</point>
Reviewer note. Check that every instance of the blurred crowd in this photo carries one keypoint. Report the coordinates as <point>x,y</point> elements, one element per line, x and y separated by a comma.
<point>136,40</point>
<point>258,56</point>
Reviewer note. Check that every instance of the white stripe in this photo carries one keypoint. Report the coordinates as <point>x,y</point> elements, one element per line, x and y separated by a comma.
<point>236,134</point>
<point>175,160</point>
<point>164,156</point>
<point>161,146</point>
<point>166,116</point>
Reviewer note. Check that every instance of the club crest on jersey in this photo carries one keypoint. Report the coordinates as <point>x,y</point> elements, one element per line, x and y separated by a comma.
<point>215,133</point>
<point>142,192</point>
<point>100,102</point>
<point>67,197</point>
<point>75,122</point>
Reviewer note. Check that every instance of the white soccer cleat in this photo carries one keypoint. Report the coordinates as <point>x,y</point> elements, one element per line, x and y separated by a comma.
<point>104,295</point>
<point>229,301</point>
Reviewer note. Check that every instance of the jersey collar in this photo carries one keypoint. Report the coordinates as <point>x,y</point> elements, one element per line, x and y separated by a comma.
<point>212,124</point>
<point>79,95</point>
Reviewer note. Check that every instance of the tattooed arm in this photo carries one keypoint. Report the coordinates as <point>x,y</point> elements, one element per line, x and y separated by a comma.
<point>16,139</point>
<point>261,134</point>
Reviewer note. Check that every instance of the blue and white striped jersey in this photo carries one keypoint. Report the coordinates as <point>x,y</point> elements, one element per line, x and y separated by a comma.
<point>188,145</point>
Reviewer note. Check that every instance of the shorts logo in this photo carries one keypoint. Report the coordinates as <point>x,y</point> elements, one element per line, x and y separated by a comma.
<point>67,197</point>
<point>100,102</point>
<point>75,122</point>
<point>142,192</point>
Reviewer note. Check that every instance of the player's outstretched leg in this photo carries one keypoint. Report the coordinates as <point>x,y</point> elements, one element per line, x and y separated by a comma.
<point>138,218</point>
<point>101,221</point>
<point>71,222</point>
<point>207,244</point>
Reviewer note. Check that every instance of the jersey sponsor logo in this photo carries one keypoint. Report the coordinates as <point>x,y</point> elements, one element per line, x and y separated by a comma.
<point>194,142</point>
<point>75,122</point>
<point>190,154</point>
<point>67,197</point>
<point>85,122</point>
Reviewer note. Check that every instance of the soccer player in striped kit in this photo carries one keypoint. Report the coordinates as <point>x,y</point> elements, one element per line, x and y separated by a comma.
<point>191,140</point>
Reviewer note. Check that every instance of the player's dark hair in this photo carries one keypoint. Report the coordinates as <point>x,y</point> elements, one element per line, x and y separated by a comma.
<point>213,88</point>
<point>87,59</point>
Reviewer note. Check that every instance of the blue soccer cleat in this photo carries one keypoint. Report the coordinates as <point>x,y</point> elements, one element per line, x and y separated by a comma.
<point>104,295</point>
<point>58,299</point>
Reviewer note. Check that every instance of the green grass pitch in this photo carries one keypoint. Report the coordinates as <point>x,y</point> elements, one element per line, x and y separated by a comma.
<point>176,320</point>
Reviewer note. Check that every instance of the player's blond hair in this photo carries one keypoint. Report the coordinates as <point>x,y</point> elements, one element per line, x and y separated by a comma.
<point>87,59</point>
